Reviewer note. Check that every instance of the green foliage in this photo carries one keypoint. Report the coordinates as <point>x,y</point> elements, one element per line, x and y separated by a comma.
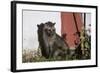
<point>29,58</point>
<point>84,47</point>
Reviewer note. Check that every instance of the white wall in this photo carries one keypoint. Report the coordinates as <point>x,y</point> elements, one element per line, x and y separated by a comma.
<point>88,23</point>
<point>5,37</point>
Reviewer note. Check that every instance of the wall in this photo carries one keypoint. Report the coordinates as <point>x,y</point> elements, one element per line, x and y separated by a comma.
<point>5,37</point>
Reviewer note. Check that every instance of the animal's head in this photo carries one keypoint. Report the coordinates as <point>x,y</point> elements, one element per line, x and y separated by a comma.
<point>49,28</point>
<point>40,26</point>
<point>40,30</point>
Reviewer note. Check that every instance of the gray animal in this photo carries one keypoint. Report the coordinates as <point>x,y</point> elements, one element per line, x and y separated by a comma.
<point>51,44</point>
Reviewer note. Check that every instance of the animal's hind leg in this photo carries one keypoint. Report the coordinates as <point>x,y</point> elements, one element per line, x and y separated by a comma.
<point>59,55</point>
<point>56,55</point>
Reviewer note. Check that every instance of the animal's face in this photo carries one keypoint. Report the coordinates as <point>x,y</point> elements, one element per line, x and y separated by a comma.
<point>49,28</point>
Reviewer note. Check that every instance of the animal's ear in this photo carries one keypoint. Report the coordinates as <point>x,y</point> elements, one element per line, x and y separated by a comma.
<point>54,23</point>
<point>38,25</point>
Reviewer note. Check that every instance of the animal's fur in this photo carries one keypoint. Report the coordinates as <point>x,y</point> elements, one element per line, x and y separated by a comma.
<point>52,45</point>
